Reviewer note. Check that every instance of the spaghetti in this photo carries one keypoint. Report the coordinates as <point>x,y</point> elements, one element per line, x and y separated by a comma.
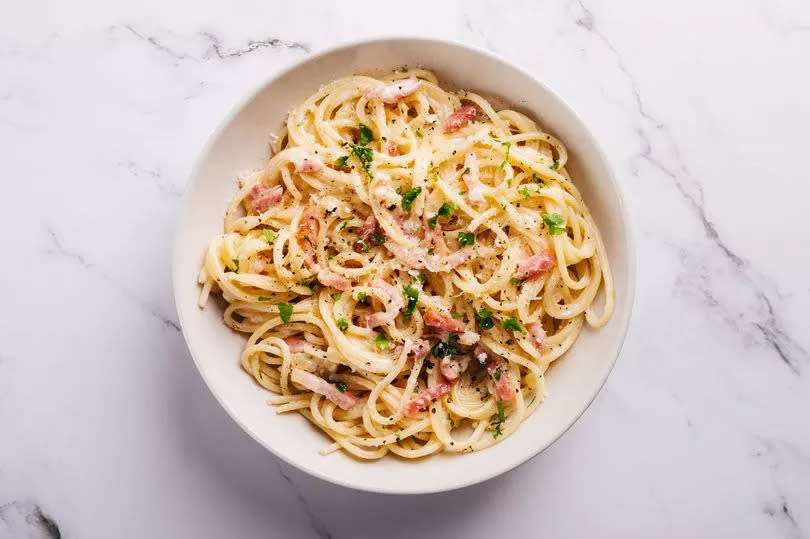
<point>407,265</point>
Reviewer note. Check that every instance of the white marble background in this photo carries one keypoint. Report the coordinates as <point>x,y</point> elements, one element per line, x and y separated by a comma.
<point>703,429</point>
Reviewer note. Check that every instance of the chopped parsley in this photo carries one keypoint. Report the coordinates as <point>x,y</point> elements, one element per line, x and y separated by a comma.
<point>497,373</point>
<point>498,421</point>
<point>234,265</point>
<point>285,311</point>
<point>365,155</point>
<point>382,342</point>
<point>344,224</point>
<point>342,325</point>
<point>508,146</point>
<point>336,296</point>
<point>366,135</point>
<point>342,161</point>
<point>312,283</point>
<point>378,238</point>
<point>443,349</point>
<point>421,278</point>
<point>361,297</point>
<point>555,166</point>
<point>433,221</point>
<point>340,385</point>
<point>269,236</point>
<point>363,245</point>
<point>413,296</point>
<point>456,316</point>
<point>466,238</point>
<point>447,209</point>
<point>264,298</point>
<point>512,324</point>
<point>484,317</point>
<point>434,177</point>
<point>409,197</point>
<point>527,191</point>
<point>515,280</point>
<point>555,222</point>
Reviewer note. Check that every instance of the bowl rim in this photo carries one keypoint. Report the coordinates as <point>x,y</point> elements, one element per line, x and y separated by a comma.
<point>624,216</point>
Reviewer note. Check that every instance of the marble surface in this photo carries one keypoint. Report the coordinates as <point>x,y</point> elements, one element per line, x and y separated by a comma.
<point>702,430</point>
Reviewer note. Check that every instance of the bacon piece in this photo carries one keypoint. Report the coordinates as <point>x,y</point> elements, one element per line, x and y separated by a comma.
<point>407,225</point>
<point>444,323</point>
<point>538,334</point>
<point>307,234</point>
<point>464,255</point>
<point>452,367</point>
<point>366,231</point>
<point>393,92</point>
<point>504,389</point>
<point>331,279</point>
<point>459,118</point>
<point>263,197</point>
<point>310,163</point>
<point>536,265</point>
<point>394,302</point>
<point>420,349</point>
<point>320,386</point>
<point>475,189</point>
<point>308,229</point>
<point>413,258</point>
<point>424,399</point>
<point>295,344</point>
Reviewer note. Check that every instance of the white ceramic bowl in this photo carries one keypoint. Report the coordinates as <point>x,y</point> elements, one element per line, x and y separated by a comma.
<point>242,143</point>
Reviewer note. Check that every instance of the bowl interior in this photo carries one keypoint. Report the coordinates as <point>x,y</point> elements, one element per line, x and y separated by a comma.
<point>242,144</point>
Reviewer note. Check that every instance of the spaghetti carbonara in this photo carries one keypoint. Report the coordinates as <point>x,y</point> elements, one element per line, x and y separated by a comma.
<point>407,265</point>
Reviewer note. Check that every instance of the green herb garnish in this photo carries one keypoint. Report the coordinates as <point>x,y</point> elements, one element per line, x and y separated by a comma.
<point>269,236</point>
<point>508,146</point>
<point>336,296</point>
<point>378,238</point>
<point>498,421</point>
<point>264,298</point>
<point>512,324</point>
<point>342,161</point>
<point>382,342</point>
<point>342,325</point>
<point>456,316</point>
<point>447,209</point>
<point>485,319</point>
<point>433,221</point>
<point>340,385</point>
<point>285,311</point>
<point>527,191</point>
<point>443,349</point>
<point>555,166</point>
<point>466,238</point>
<point>361,297</point>
<point>366,135</point>
<point>555,222</point>
<point>497,373</point>
<point>312,283</point>
<point>413,296</point>
<point>365,155</point>
<point>408,198</point>
<point>515,280</point>
<point>421,278</point>
<point>235,265</point>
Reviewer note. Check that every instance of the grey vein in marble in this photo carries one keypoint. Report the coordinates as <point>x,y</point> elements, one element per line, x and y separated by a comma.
<point>26,519</point>
<point>215,48</point>
<point>769,327</point>
<point>58,249</point>
<point>315,522</point>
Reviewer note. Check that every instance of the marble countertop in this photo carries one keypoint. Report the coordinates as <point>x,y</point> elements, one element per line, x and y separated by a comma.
<point>106,429</point>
